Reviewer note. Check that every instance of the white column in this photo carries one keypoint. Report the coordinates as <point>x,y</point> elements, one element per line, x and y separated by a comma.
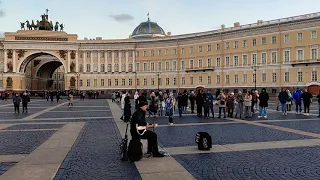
<point>84,61</point>
<point>127,64</point>
<point>77,61</point>
<point>120,63</point>
<point>112,62</point>
<point>5,60</point>
<point>133,61</point>
<point>99,61</point>
<point>91,61</point>
<point>13,60</point>
<point>68,61</point>
<point>106,61</point>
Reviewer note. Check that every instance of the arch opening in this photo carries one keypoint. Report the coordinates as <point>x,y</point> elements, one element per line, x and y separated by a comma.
<point>43,71</point>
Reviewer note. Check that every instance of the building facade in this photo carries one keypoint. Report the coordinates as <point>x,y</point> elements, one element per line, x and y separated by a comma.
<point>276,54</point>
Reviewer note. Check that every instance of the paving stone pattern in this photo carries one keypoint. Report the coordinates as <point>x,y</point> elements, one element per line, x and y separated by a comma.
<point>75,114</point>
<point>57,120</point>
<point>274,164</point>
<point>22,142</point>
<point>5,166</point>
<point>185,119</point>
<point>34,126</point>
<point>308,126</point>
<point>95,155</point>
<point>171,136</point>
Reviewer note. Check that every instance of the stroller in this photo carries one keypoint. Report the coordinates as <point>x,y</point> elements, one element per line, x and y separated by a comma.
<point>124,145</point>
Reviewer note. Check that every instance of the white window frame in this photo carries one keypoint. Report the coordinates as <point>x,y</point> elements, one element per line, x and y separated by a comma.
<point>286,73</point>
<point>236,45</point>
<point>274,77</point>
<point>200,63</point>
<point>227,59</point>
<point>254,58</point>
<point>300,76</point>
<point>218,61</point>
<point>314,34</point>
<point>302,56</point>
<point>286,53</point>
<point>299,36</point>
<point>286,38</point>
<point>264,58</point>
<point>274,61</point>
<point>314,76</point>
<point>236,60</point>
<point>311,54</point>
<point>244,60</point>
<point>209,62</point>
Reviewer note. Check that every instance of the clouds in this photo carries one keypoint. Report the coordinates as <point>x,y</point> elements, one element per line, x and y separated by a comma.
<point>1,11</point>
<point>122,17</point>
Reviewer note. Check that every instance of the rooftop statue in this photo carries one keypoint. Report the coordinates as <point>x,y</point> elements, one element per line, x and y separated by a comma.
<point>43,24</point>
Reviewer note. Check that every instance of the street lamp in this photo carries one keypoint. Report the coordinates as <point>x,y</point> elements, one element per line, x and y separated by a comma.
<point>255,67</point>
<point>77,75</point>
<point>158,74</point>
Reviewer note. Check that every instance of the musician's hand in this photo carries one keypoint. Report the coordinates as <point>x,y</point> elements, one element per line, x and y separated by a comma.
<point>155,125</point>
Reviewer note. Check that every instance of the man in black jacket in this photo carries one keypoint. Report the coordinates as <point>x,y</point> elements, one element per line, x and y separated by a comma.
<point>138,120</point>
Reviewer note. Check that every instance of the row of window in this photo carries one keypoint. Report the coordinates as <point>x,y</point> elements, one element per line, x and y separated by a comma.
<point>245,43</point>
<point>102,54</point>
<point>236,62</point>
<point>314,78</point>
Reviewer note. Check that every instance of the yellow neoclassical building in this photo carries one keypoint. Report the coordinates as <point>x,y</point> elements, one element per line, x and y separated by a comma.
<point>274,54</point>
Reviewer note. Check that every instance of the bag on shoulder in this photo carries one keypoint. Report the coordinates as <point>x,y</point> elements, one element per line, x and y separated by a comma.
<point>204,141</point>
<point>135,150</point>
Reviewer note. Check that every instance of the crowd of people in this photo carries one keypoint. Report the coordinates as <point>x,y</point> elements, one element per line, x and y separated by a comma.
<point>300,97</point>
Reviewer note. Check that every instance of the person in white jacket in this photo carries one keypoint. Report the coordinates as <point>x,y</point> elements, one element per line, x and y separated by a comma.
<point>136,96</point>
<point>122,103</point>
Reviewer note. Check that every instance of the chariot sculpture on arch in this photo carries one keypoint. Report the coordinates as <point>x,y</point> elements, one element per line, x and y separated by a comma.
<point>43,24</point>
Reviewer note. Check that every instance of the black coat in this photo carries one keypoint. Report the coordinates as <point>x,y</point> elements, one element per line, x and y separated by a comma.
<point>138,117</point>
<point>263,98</point>
<point>200,99</point>
<point>306,97</point>
<point>25,99</point>
<point>127,108</point>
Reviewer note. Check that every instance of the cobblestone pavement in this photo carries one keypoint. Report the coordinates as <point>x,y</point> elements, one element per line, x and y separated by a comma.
<point>307,125</point>
<point>96,155</point>
<point>5,166</point>
<point>275,164</point>
<point>221,134</point>
<point>20,142</point>
<point>34,126</point>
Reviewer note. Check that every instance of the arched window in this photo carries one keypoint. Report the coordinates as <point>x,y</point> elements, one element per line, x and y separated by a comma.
<point>81,67</point>
<point>88,67</point>
<point>95,67</point>
<point>102,68</point>
<point>109,67</point>
<point>116,67</point>
<point>130,67</point>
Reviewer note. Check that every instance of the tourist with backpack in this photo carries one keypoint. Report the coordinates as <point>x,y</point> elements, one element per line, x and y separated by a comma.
<point>318,97</point>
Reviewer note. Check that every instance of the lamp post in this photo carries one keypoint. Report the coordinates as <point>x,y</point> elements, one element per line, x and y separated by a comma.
<point>255,67</point>
<point>77,75</point>
<point>158,74</point>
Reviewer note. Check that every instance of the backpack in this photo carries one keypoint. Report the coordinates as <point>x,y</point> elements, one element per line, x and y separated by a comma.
<point>204,141</point>
<point>135,150</point>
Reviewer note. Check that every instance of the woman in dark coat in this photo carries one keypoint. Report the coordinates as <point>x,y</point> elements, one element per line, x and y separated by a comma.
<point>200,103</point>
<point>306,98</point>
<point>263,103</point>
<point>127,109</point>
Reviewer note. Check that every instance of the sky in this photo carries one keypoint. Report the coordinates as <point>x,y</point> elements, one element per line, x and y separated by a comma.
<point>115,19</point>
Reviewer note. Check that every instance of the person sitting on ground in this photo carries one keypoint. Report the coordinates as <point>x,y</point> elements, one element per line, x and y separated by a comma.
<point>138,120</point>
